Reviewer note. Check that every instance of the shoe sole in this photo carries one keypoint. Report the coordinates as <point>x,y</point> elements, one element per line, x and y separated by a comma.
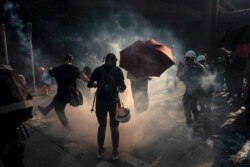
<point>114,158</point>
<point>100,156</point>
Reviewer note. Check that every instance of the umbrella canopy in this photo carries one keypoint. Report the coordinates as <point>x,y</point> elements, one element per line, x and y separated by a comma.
<point>239,38</point>
<point>146,58</point>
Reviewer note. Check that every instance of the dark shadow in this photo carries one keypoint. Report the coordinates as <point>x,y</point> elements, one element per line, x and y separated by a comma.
<point>232,133</point>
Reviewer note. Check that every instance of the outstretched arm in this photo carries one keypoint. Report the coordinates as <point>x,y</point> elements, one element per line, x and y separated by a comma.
<point>83,77</point>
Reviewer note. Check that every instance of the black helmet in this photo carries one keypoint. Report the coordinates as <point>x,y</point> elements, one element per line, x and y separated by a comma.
<point>68,57</point>
<point>110,59</point>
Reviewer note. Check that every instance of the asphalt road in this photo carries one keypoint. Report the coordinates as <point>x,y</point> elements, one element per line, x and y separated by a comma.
<point>158,137</point>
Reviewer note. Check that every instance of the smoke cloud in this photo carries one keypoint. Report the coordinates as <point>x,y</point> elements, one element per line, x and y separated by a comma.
<point>23,65</point>
<point>15,20</point>
<point>113,34</point>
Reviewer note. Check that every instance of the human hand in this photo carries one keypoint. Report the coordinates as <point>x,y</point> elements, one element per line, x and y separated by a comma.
<point>94,85</point>
<point>120,90</point>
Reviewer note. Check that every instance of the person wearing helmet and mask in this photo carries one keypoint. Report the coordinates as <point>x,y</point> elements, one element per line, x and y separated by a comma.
<point>201,59</point>
<point>208,87</point>
<point>110,81</point>
<point>66,76</point>
<point>190,74</point>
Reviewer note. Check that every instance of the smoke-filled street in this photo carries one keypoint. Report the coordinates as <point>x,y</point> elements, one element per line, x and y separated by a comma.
<point>124,83</point>
<point>157,137</point>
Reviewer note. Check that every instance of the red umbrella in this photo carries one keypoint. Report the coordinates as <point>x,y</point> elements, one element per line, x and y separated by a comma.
<point>146,58</point>
<point>243,49</point>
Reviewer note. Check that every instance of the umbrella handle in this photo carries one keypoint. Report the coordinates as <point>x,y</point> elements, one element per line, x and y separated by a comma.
<point>119,104</point>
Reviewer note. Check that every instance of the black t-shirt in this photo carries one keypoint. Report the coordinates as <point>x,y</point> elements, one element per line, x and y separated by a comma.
<point>66,76</point>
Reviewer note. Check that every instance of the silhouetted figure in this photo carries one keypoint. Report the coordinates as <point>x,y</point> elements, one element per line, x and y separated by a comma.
<point>139,88</point>
<point>236,72</point>
<point>190,74</point>
<point>208,86</point>
<point>15,107</point>
<point>110,81</point>
<point>66,76</point>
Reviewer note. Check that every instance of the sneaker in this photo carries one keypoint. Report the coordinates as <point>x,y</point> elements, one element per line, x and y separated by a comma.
<point>114,156</point>
<point>43,110</point>
<point>100,153</point>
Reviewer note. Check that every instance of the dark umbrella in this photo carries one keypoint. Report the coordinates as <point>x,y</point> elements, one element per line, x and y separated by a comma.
<point>239,38</point>
<point>146,58</point>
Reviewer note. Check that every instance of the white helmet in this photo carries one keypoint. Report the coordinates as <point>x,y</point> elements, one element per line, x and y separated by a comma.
<point>200,58</point>
<point>190,54</point>
<point>123,114</point>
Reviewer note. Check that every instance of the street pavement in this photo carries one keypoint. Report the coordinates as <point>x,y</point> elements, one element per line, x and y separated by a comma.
<point>158,137</point>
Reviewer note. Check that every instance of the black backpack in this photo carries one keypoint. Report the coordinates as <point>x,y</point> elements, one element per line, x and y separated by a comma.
<point>107,87</point>
<point>16,102</point>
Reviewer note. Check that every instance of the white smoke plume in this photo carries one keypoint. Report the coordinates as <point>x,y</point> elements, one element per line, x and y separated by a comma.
<point>10,9</point>
<point>113,35</point>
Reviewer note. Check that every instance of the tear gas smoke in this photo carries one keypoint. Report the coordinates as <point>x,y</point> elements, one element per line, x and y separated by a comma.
<point>10,9</point>
<point>112,35</point>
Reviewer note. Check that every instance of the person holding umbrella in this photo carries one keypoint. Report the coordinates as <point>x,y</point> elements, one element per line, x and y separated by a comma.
<point>142,60</point>
<point>139,88</point>
<point>110,81</point>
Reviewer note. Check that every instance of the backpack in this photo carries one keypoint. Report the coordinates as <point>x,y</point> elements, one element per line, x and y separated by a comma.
<point>16,102</point>
<point>107,87</point>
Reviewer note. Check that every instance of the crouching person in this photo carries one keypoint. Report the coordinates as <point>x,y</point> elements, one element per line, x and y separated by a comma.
<point>15,107</point>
